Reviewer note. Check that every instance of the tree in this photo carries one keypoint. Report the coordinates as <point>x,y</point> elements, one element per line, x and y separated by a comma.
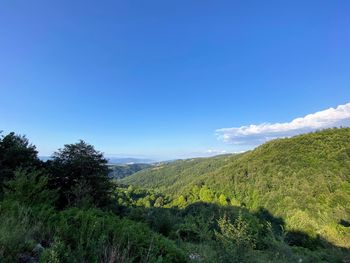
<point>15,152</point>
<point>235,202</point>
<point>159,202</point>
<point>206,195</point>
<point>223,200</point>
<point>79,172</point>
<point>180,202</point>
<point>30,188</point>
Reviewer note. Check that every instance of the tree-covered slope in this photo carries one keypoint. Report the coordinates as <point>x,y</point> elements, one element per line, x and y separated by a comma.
<point>212,210</point>
<point>119,171</point>
<point>172,177</point>
<point>304,179</point>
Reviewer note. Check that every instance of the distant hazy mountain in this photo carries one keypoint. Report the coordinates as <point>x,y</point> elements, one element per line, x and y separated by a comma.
<point>44,158</point>
<point>127,160</point>
<point>114,160</point>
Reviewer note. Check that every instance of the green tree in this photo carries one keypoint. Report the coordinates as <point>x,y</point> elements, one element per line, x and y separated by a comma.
<point>235,202</point>
<point>29,189</point>
<point>223,200</point>
<point>180,202</point>
<point>79,166</point>
<point>15,152</point>
<point>206,195</point>
<point>159,202</point>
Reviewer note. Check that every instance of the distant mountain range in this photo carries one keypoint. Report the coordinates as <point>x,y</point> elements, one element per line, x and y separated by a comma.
<point>127,160</point>
<point>44,158</point>
<point>114,160</point>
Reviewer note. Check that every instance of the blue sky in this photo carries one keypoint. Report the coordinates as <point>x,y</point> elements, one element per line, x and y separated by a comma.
<point>169,79</point>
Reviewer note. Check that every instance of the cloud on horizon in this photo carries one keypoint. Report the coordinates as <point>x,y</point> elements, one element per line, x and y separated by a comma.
<point>253,135</point>
<point>215,151</point>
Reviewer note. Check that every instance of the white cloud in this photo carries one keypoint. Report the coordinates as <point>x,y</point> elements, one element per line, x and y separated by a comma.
<point>257,134</point>
<point>215,152</point>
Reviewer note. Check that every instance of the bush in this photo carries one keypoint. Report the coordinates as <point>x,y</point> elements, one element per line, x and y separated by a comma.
<point>19,231</point>
<point>92,235</point>
<point>30,188</point>
<point>235,239</point>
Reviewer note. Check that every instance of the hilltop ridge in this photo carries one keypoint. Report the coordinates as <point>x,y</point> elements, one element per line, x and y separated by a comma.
<point>304,179</point>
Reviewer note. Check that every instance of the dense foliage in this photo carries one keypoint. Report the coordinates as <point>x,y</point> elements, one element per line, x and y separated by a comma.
<point>119,171</point>
<point>62,211</point>
<point>32,230</point>
<point>15,152</point>
<point>238,208</point>
<point>304,179</point>
<point>80,174</point>
<point>172,177</point>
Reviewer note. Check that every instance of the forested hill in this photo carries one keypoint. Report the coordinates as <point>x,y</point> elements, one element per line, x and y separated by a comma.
<point>304,179</point>
<point>172,177</point>
<point>286,201</point>
<point>119,171</point>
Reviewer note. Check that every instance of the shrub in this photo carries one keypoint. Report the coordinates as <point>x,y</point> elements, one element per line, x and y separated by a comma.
<point>91,235</point>
<point>30,188</point>
<point>235,238</point>
<point>19,231</point>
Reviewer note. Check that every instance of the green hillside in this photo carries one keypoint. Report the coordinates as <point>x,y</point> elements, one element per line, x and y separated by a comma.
<point>286,201</point>
<point>119,171</point>
<point>172,177</point>
<point>304,179</point>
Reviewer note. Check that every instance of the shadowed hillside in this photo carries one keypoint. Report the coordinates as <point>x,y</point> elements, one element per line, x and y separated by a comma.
<point>304,179</point>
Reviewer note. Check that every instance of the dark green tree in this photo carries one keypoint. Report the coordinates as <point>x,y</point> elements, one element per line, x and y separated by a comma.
<point>80,173</point>
<point>15,152</point>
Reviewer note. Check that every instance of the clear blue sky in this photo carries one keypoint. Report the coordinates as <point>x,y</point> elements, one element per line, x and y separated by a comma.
<point>158,78</point>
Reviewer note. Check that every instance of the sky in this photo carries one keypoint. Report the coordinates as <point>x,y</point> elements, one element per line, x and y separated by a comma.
<point>172,79</point>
